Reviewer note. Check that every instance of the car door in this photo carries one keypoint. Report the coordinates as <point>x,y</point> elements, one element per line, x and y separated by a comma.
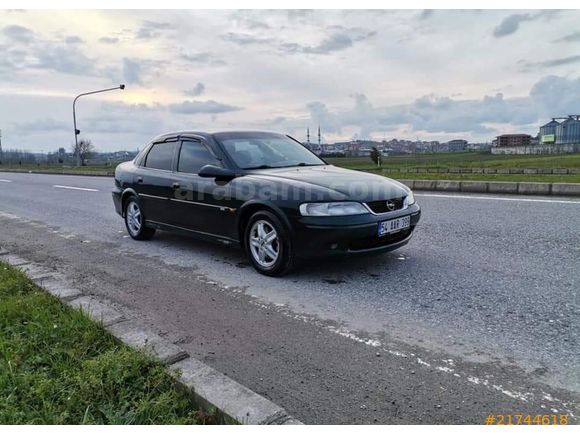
<point>200,204</point>
<point>153,180</point>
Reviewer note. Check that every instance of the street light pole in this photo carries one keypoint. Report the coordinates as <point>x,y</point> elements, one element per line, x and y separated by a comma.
<point>77,132</point>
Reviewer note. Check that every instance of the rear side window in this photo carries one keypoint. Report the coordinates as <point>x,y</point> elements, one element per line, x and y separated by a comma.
<point>193,156</point>
<point>160,156</point>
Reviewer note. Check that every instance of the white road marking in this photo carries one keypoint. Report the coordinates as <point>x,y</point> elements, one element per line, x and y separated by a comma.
<point>515,394</point>
<point>5,181</point>
<point>75,188</point>
<point>499,198</point>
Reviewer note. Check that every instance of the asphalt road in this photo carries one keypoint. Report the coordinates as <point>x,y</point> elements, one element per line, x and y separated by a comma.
<point>478,314</point>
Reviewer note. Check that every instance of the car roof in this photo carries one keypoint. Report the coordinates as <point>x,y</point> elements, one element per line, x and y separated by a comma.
<point>206,135</point>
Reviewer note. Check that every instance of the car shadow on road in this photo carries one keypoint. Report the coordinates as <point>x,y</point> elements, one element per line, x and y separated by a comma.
<point>331,270</point>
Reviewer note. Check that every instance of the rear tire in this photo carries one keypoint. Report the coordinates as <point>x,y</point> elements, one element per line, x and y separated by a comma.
<point>135,220</point>
<point>267,244</point>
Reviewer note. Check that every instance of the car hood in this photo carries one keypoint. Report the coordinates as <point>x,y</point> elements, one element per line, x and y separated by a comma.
<point>345,183</point>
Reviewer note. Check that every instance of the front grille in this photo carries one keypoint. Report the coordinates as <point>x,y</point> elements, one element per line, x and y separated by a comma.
<point>376,242</point>
<point>381,206</point>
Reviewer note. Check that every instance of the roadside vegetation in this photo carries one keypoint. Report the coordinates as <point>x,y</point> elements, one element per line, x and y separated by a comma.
<point>391,165</point>
<point>484,177</point>
<point>397,167</point>
<point>461,160</point>
<point>59,367</point>
<point>105,169</point>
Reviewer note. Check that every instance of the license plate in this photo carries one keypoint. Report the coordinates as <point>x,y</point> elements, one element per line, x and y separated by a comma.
<point>394,225</point>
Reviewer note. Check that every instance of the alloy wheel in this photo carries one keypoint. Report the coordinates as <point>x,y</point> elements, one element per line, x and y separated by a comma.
<point>264,243</point>
<point>134,218</point>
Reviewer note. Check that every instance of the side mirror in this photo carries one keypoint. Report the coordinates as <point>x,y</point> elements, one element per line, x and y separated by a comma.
<point>211,171</point>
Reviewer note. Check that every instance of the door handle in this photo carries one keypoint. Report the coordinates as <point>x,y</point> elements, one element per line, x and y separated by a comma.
<point>176,185</point>
<point>139,179</point>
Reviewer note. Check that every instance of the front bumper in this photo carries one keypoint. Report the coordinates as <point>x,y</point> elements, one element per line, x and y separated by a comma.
<point>349,235</point>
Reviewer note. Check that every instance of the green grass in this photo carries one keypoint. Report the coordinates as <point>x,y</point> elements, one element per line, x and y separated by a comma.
<point>59,367</point>
<point>462,160</point>
<point>485,177</point>
<point>427,161</point>
<point>62,169</point>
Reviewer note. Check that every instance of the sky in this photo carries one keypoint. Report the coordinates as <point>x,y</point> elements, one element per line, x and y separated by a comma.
<point>359,74</point>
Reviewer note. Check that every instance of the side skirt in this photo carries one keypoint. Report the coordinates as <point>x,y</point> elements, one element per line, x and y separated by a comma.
<point>214,238</point>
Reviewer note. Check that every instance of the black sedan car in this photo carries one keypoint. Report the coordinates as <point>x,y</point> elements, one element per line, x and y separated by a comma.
<point>264,192</point>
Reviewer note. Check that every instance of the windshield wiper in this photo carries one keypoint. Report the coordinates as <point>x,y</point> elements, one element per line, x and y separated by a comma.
<point>262,167</point>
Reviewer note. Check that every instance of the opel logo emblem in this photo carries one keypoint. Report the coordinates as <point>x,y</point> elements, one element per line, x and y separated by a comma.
<point>390,205</point>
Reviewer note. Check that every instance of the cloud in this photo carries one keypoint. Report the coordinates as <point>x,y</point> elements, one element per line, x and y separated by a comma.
<point>282,72</point>
<point>196,91</point>
<point>42,125</point>
<point>134,70</point>
<point>28,51</point>
<point>556,96</point>
<point>529,66</point>
<point>152,29</point>
<point>202,58</point>
<point>339,38</point>
<point>64,59</point>
<point>572,37</point>
<point>18,33</point>
<point>73,40</point>
<point>11,61</point>
<point>550,96</point>
<point>245,39</point>
<point>108,40</point>
<point>118,107</point>
<point>209,106</point>
<point>131,71</point>
<point>250,22</point>
<point>338,41</point>
<point>510,24</point>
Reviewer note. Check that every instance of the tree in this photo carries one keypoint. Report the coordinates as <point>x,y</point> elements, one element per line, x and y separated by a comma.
<point>84,150</point>
<point>376,156</point>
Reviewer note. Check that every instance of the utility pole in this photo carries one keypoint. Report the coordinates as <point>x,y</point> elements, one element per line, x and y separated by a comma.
<point>308,135</point>
<point>319,136</point>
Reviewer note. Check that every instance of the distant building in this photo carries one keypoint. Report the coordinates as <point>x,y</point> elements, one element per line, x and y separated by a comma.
<point>548,132</point>
<point>513,140</point>
<point>568,131</point>
<point>457,145</point>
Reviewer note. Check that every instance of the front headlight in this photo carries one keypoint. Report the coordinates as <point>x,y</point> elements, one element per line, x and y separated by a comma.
<point>410,199</point>
<point>332,209</point>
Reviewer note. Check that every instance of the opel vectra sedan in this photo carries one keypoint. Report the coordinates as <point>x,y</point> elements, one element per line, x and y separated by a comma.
<point>263,192</point>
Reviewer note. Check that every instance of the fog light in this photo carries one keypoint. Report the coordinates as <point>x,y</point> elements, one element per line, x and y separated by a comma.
<point>334,246</point>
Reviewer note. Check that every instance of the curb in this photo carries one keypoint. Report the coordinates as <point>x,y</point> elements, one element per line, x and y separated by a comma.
<point>208,388</point>
<point>476,170</point>
<point>519,188</point>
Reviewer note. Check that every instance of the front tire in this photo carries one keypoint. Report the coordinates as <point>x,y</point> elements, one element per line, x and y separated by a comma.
<point>267,243</point>
<point>135,221</point>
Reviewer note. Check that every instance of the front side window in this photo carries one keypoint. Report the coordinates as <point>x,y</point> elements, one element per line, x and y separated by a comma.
<point>265,150</point>
<point>160,156</point>
<point>193,156</point>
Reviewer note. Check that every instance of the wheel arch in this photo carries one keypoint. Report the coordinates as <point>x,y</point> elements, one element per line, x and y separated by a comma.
<point>127,193</point>
<point>253,206</point>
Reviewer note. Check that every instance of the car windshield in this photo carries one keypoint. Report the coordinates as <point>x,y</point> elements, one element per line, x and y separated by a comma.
<point>263,151</point>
